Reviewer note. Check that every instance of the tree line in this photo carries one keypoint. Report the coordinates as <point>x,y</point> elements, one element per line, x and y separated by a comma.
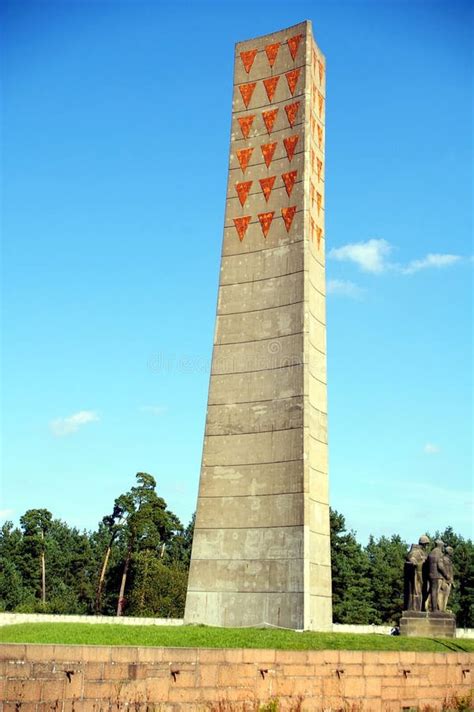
<point>136,563</point>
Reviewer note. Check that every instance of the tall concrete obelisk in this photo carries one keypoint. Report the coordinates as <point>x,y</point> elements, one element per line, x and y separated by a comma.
<point>261,551</point>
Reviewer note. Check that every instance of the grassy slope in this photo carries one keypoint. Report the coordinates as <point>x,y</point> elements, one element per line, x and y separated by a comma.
<point>203,637</point>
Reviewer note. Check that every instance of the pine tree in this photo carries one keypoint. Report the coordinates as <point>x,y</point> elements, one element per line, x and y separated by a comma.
<point>351,586</point>
<point>386,563</point>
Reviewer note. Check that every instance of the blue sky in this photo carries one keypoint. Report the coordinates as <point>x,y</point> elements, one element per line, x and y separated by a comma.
<point>115,131</point>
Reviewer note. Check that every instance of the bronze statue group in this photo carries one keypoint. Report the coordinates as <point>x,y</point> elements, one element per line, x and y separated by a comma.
<point>428,576</point>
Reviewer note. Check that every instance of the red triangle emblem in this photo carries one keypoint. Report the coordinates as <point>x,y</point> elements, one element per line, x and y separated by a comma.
<point>289,181</point>
<point>245,123</point>
<point>266,185</point>
<point>243,156</point>
<point>290,145</point>
<point>248,58</point>
<point>321,71</point>
<point>270,86</point>
<point>268,149</point>
<point>320,136</point>
<point>271,51</point>
<point>292,79</point>
<point>288,214</point>
<point>320,103</point>
<point>266,221</point>
<point>269,118</point>
<point>319,234</point>
<point>241,225</point>
<point>319,200</point>
<point>291,112</point>
<point>246,91</point>
<point>320,167</point>
<point>293,44</point>
<point>243,190</point>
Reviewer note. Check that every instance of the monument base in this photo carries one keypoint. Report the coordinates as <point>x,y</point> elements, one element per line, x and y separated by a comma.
<point>427,624</point>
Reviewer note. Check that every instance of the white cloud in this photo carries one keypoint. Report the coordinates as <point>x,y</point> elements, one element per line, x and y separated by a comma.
<point>5,513</point>
<point>65,426</point>
<point>370,256</point>
<point>431,260</point>
<point>344,288</point>
<point>431,449</point>
<point>154,409</point>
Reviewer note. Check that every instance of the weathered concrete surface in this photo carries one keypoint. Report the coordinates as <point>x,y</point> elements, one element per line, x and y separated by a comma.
<point>261,550</point>
<point>428,624</point>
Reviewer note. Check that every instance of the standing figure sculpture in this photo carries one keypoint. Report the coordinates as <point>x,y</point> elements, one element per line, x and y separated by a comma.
<point>446,584</point>
<point>428,583</point>
<point>414,565</point>
<point>439,574</point>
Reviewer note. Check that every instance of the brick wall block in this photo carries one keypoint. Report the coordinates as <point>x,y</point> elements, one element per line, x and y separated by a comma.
<point>178,655</point>
<point>324,669</point>
<point>75,705</point>
<point>18,669</point>
<point>52,690</point>
<point>396,680</point>
<point>261,657</point>
<point>372,670</point>
<point>100,690</point>
<point>115,671</point>
<point>351,670</point>
<point>206,655</point>
<point>95,671</point>
<point>207,675</point>
<point>101,653</point>
<point>333,687</point>
<point>120,654</point>
<point>237,675</point>
<point>157,688</point>
<point>351,656</point>
<point>390,693</point>
<point>149,655</point>
<point>388,657</point>
<point>354,687</point>
<point>185,677</point>
<point>307,687</point>
<point>39,653</point>
<point>73,685</point>
<point>22,691</point>
<point>298,670</point>
<point>373,687</point>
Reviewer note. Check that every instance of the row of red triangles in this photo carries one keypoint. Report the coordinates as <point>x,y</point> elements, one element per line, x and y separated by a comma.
<point>269,118</point>
<point>270,84</point>
<point>265,219</point>
<point>267,149</point>
<point>271,50</point>
<point>266,184</point>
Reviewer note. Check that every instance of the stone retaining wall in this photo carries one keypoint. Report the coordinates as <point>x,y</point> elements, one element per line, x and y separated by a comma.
<point>94,678</point>
<point>13,618</point>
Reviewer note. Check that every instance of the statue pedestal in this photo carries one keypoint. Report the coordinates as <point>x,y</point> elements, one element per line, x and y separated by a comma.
<point>428,624</point>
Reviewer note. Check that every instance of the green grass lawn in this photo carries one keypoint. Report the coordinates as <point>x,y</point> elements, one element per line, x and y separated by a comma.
<point>204,637</point>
